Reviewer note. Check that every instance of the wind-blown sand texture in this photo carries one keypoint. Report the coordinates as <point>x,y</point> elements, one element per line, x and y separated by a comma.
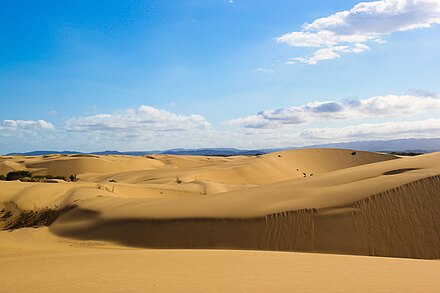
<point>314,200</point>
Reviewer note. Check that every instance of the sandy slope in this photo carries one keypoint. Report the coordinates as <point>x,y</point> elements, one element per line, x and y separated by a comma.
<point>51,264</point>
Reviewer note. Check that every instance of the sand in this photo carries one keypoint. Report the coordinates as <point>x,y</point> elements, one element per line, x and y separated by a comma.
<point>51,264</point>
<point>331,203</point>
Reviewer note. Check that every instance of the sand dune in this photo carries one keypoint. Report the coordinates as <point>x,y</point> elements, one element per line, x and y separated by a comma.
<point>318,200</point>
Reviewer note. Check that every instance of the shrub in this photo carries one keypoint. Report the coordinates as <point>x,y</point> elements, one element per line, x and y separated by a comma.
<point>26,176</point>
<point>17,175</point>
<point>38,179</point>
<point>2,177</point>
<point>105,188</point>
<point>72,177</point>
<point>15,218</point>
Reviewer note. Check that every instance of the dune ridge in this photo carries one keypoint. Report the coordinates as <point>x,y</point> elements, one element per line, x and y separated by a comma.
<point>401,222</point>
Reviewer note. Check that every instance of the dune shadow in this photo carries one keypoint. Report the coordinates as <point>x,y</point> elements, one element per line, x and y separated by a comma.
<point>399,171</point>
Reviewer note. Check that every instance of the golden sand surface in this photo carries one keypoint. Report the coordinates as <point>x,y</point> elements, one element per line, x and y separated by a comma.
<point>291,220</point>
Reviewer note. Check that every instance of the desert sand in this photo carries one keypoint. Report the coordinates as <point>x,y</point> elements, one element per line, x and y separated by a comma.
<point>313,219</point>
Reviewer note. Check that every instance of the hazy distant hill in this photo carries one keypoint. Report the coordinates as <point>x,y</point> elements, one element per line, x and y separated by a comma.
<point>420,145</point>
<point>42,153</point>
<point>213,152</point>
<point>194,152</point>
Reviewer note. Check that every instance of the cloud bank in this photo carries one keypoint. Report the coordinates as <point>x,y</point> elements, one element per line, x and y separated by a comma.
<point>389,130</point>
<point>145,127</point>
<point>349,31</point>
<point>149,128</point>
<point>377,106</point>
<point>142,119</point>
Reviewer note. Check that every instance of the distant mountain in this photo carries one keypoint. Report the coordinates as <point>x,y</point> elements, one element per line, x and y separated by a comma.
<point>213,152</point>
<point>417,145</point>
<point>411,145</point>
<point>42,153</point>
<point>194,152</point>
<point>134,153</point>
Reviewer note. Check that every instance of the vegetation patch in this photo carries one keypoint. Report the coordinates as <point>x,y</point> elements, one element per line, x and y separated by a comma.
<point>12,217</point>
<point>26,176</point>
<point>105,188</point>
<point>18,175</point>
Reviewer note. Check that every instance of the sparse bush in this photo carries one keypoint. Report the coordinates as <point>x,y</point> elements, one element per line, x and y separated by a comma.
<point>49,177</point>
<point>16,218</point>
<point>2,177</point>
<point>31,179</point>
<point>105,188</point>
<point>112,180</point>
<point>4,215</point>
<point>72,178</point>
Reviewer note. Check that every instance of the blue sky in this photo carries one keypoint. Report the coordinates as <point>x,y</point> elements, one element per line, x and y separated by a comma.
<point>141,75</point>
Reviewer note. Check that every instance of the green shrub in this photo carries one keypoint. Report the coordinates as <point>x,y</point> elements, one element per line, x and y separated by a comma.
<point>17,175</point>
<point>2,177</point>
<point>26,176</point>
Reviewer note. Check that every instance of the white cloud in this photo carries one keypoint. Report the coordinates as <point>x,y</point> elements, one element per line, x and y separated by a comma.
<point>377,106</point>
<point>365,22</point>
<point>389,130</point>
<point>134,128</point>
<point>18,134</point>
<point>25,131</point>
<point>11,126</point>
<point>328,53</point>
<point>263,70</point>
<point>142,119</point>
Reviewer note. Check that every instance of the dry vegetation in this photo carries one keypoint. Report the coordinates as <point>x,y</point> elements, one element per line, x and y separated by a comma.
<point>12,217</point>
